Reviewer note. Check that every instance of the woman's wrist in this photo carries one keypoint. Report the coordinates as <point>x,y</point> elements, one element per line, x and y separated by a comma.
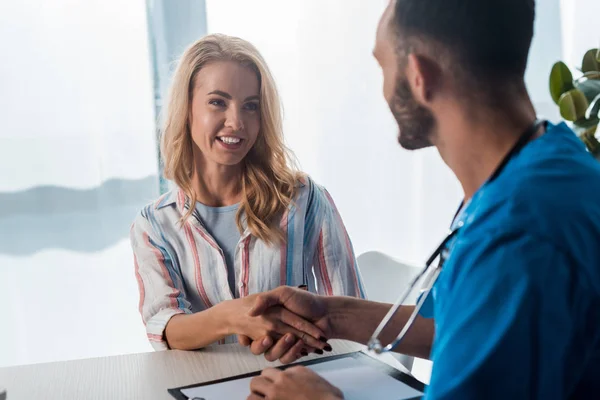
<point>229,319</point>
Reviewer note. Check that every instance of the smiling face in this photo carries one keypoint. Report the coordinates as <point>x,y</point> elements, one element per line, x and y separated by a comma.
<point>225,113</point>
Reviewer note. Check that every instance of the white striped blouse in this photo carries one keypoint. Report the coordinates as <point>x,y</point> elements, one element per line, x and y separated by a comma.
<point>181,269</point>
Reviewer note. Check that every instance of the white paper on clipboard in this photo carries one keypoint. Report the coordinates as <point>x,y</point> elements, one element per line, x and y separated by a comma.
<point>357,380</point>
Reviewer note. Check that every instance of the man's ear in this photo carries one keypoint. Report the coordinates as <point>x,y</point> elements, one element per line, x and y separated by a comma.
<point>424,77</point>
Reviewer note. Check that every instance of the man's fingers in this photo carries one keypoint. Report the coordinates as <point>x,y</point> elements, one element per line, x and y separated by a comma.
<point>300,324</point>
<point>260,385</point>
<point>244,340</point>
<point>281,347</point>
<point>269,299</point>
<point>259,347</point>
<point>263,302</point>
<point>306,338</point>
<point>284,322</point>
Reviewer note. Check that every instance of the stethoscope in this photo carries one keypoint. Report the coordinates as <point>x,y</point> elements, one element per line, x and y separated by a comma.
<point>431,271</point>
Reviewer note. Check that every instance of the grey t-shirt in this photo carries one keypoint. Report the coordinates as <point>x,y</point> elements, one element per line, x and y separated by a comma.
<point>220,224</point>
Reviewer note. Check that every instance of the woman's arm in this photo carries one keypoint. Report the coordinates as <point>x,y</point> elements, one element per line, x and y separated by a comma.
<point>168,316</point>
<point>188,332</point>
<point>333,263</point>
<point>160,285</point>
<point>198,330</point>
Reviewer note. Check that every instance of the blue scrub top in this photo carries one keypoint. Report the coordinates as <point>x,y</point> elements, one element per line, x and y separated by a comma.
<point>517,304</point>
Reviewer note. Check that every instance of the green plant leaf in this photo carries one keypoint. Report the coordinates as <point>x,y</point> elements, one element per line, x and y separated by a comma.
<point>586,123</point>
<point>573,105</point>
<point>561,80</point>
<point>590,63</point>
<point>589,87</point>
<point>589,75</point>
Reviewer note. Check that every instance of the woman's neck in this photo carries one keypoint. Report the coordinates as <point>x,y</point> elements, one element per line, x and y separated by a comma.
<point>217,185</point>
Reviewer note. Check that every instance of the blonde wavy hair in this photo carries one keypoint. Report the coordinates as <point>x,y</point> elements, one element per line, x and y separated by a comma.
<point>269,177</point>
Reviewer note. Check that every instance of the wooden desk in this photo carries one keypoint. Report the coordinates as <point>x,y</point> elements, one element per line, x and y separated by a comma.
<point>144,376</point>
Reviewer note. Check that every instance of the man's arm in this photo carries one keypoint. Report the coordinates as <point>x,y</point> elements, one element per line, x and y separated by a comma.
<point>356,320</point>
<point>344,318</point>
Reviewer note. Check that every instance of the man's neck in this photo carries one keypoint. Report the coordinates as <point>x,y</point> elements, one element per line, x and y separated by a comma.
<point>474,144</point>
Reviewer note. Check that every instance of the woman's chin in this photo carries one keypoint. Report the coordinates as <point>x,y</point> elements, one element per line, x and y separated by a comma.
<point>230,160</point>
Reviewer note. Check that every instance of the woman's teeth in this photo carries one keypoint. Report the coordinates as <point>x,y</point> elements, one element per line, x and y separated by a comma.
<point>229,140</point>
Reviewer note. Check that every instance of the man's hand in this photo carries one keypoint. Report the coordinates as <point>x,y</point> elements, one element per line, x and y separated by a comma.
<point>296,383</point>
<point>287,349</point>
<point>309,306</point>
<point>302,303</point>
<point>341,317</point>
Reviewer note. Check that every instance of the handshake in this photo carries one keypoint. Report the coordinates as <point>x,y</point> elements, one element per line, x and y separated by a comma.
<point>301,322</point>
<point>295,323</point>
<point>289,323</point>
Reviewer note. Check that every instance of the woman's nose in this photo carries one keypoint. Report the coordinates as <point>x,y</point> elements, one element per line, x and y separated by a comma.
<point>234,120</point>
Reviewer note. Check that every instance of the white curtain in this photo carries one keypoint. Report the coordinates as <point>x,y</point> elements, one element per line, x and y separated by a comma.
<point>580,28</point>
<point>77,161</point>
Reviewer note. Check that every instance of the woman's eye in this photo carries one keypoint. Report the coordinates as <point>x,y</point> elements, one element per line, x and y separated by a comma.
<point>217,102</point>
<point>251,106</point>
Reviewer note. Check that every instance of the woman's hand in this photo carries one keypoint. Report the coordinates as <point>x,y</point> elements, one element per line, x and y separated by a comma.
<point>286,349</point>
<point>275,323</point>
<point>309,306</point>
<point>296,383</point>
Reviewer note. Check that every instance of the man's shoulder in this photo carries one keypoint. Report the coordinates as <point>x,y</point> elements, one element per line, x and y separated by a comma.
<point>551,185</point>
<point>553,196</point>
<point>555,211</point>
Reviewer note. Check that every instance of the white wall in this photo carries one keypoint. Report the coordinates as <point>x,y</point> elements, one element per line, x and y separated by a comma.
<point>546,49</point>
<point>76,93</point>
<point>580,29</point>
<point>564,30</point>
<point>65,305</point>
<point>77,161</point>
<point>339,126</point>
<point>336,119</point>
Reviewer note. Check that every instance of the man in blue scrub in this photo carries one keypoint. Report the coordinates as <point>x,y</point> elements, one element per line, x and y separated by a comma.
<point>516,308</point>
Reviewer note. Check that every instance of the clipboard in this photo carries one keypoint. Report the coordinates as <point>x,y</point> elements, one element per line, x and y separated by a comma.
<point>358,356</point>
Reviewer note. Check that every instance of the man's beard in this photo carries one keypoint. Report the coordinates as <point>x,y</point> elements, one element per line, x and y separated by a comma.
<point>416,123</point>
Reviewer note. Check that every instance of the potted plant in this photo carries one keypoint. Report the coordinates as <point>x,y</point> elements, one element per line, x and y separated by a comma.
<point>579,99</point>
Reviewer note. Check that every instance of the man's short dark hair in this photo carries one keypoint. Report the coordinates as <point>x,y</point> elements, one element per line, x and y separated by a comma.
<point>488,40</point>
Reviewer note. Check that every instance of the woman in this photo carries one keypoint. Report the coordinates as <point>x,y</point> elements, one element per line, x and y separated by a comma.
<point>241,220</point>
